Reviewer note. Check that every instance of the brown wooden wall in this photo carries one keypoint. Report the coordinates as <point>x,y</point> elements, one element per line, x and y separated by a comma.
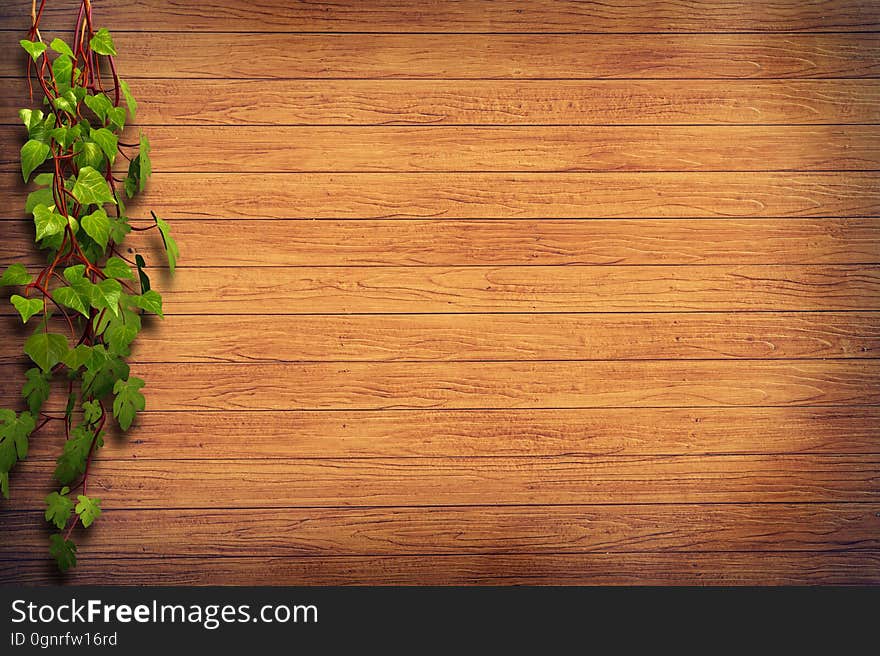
<point>489,292</point>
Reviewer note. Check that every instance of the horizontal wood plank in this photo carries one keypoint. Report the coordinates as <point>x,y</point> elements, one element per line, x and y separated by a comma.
<point>666,568</point>
<point>389,290</point>
<point>501,102</point>
<point>425,337</point>
<point>428,531</point>
<point>497,195</point>
<point>596,384</point>
<point>142,484</point>
<point>474,16</point>
<point>438,242</point>
<point>189,55</point>
<point>463,433</point>
<point>495,149</point>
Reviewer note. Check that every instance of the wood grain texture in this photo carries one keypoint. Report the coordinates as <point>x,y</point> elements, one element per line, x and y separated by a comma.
<point>497,195</point>
<point>347,434</point>
<point>437,242</point>
<point>456,337</point>
<point>189,55</point>
<point>665,568</point>
<point>656,16</point>
<point>721,479</point>
<point>500,102</point>
<point>500,149</point>
<point>292,532</point>
<point>462,385</point>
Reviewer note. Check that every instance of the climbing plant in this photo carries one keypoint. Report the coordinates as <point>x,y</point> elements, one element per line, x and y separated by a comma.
<point>86,302</point>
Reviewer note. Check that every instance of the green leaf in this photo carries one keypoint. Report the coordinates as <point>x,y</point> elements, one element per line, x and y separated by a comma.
<point>14,433</point>
<point>129,99</point>
<point>31,117</point>
<point>102,372</point>
<point>146,167</point>
<point>97,226</point>
<point>144,278</point>
<point>33,153</point>
<point>46,349</point>
<point>92,412</point>
<point>72,461</point>
<point>78,356</point>
<point>69,297</point>
<point>62,69</point>
<point>44,179</point>
<point>150,301</point>
<point>35,390</point>
<point>34,48</point>
<point>102,42</point>
<point>27,307</point>
<point>106,295</point>
<point>48,223</point>
<point>59,507</point>
<point>100,104</point>
<point>39,197</point>
<point>128,402</point>
<point>63,551</point>
<point>168,241</point>
<point>88,509</point>
<point>4,484</point>
<point>89,154</point>
<point>16,274</point>
<point>59,46</point>
<point>107,141</point>
<point>91,188</point>
<point>121,331</point>
<point>116,116</point>
<point>116,267</point>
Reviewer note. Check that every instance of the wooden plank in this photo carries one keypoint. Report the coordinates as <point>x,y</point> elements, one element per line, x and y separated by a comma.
<point>428,531</point>
<point>445,290</point>
<point>497,195</point>
<point>511,337</point>
<point>462,385</point>
<point>145,484</point>
<point>184,55</point>
<point>666,568</point>
<point>439,242</point>
<point>346,434</point>
<point>502,102</point>
<point>494,149</point>
<point>474,16</point>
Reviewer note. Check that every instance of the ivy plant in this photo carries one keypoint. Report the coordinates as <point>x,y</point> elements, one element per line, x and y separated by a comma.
<point>86,304</point>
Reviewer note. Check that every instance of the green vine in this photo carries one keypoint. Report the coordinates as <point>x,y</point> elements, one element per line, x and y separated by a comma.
<point>88,290</point>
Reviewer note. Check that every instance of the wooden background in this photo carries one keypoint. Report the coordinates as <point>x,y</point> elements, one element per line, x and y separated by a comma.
<point>489,292</point>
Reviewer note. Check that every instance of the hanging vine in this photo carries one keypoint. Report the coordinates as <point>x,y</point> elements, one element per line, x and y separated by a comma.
<point>86,303</point>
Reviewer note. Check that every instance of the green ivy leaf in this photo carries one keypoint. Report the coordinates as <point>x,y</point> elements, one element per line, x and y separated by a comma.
<point>44,179</point>
<point>116,267</point>
<point>144,278</point>
<point>91,188</point>
<point>150,301</point>
<point>27,307</point>
<point>63,551</point>
<point>59,507</point>
<point>116,116</point>
<point>46,349</point>
<point>107,141</point>
<point>33,153</point>
<point>59,46</point>
<point>48,223</point>
<point>102,372</point>
<point>4,484</point>
<point>128,402</point>
<point>88,509</point>
<point>119,228</point>
<point>100,104</point>
<point>15,274</point>
<point>129,99</point>
<point>102,42</point>
<point>77,356</point>
<point>72,461</point>
<point>145,169</point>
<point>121,332</point>
<point>68,297</point>
<point>92,412</point>
<point>89,154</point>
<point>35,390</point>
<point>132,180</point>
<point>62,69</point>
<point>97,226</point>
<point>14,433</point>
<point>33,48</point>
<point>39,197</point>
<point>106,295</point>
<point>168,241</point>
